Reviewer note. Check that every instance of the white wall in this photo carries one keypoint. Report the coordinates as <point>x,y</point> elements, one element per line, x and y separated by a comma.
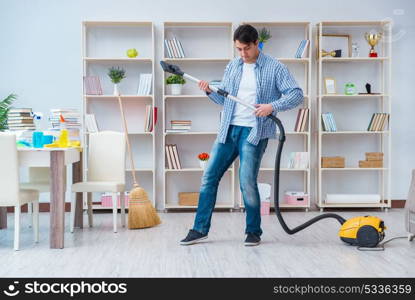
<point>40,52</point>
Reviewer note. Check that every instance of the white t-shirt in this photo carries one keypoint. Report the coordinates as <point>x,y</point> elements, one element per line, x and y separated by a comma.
<point>244,116</point>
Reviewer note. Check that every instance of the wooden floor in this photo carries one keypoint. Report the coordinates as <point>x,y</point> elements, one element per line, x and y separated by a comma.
<point>155,252</point>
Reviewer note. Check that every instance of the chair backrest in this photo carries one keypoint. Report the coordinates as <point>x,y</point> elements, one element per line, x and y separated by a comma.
<point>410,206</point>
<point>9,170</point>
<point>39,174</point>
<point>106,156</point>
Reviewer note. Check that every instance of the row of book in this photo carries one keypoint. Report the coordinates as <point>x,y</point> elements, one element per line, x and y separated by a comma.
<point>92,85</point>
<point>302,120</point>
<point>298,160</point>
<point>20,119</point>
<point>328,122</point>
<point>150,115</point>
<point>91,123</point>
<point>302,48</point>
<point>378,122</point>
<point>172,157</point>
<point>180,126</point>
<point>174,48</point>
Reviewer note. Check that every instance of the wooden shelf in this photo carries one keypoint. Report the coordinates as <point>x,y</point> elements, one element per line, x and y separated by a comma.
<point>354,169</point>
<point>171,206</point>
<point>112,97</point>
<point>352,205</point>
<point>353,23</point>
<point>132,133</point>
<point>353,132</point>
<point>352,96</point>
<point>196,59</point>
<point>285,170</point>
<point>191,133</point>
<point>354,59</point>
<point>294,60</point>
<point>117,59</point>
<point>189,170</point>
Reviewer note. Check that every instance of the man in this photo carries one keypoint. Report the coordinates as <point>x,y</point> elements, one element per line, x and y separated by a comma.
<point>267,84</point>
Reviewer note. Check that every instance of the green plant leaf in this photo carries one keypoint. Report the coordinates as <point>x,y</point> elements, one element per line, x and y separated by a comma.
<point>116,74</point>
<point>4,110</point>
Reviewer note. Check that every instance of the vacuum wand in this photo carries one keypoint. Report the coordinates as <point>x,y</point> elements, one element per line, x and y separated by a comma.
<point>176,70</point>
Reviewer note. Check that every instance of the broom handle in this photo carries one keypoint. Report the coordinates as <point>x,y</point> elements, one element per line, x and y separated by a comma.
<point>127,140</point>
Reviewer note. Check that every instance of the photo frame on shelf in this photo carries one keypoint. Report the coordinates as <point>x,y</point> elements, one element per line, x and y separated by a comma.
<point>330,85</point>
<point>332,42</point>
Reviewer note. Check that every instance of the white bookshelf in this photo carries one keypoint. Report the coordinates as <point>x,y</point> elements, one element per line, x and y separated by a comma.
<point>352,139</point>
<point>208,48</point>
<point>286,36</point>
<point>104,44</point>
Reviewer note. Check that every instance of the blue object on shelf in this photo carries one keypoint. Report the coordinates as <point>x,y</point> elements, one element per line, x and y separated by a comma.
<point>37,138</point>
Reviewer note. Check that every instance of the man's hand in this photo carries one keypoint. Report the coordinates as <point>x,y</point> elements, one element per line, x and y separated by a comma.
<point>263,110</point>
<point>204,86</point>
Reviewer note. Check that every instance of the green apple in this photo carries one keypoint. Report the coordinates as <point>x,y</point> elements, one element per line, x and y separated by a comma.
<point>132,53</point>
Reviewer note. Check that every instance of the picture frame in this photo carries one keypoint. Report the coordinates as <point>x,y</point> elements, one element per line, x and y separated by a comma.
<point>332,42</point>
<point>330,85</point>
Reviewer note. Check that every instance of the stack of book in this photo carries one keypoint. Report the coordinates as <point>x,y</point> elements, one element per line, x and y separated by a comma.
<point>174,48</point>
<point>72,121</point>
<point>150,114</point>
<point>302,48</point>
<point>302,119</point>
<point>328,122</point>
<point>172,157</point>
<point>20,119</point>
<point>298,160</point>
<point>180,126</point>
<point>378,122</point>
<point>92,85</point>
<point>144,86</point>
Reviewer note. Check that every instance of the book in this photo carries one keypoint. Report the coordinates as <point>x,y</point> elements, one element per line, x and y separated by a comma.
<point>297,122</point>
<point>176,156</point>
<point>301,50</point>
<point>168,158</point>
<point>20,110</point>
<point>333,122</point>
<point>92,85</point>
<point>168,52</point>
<point>305,120</point>
<point>91,123</point>
<point>172,157</point>
<point>144,86</point>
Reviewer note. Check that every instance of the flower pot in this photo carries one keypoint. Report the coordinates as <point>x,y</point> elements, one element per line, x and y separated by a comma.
<point>260,45</point>
<point>176,89</point>
<point>203,164</point>
<point>116,91</point>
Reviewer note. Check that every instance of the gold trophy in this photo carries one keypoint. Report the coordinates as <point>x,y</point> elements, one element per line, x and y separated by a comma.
<point>373,39</point>
<point>334,53</point>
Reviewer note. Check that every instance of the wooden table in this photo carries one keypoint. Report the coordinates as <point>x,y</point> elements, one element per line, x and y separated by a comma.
<point>56,159</point>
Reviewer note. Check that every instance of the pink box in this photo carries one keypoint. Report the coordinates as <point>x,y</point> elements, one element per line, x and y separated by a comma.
<point>265,205</point>
<point>294,198</point>
<point>106,201</point>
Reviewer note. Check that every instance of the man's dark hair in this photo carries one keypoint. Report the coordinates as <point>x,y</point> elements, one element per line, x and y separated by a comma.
<point>246,34</point>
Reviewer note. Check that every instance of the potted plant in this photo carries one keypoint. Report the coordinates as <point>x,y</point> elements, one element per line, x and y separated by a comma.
<point>263,36</point>
<point>176,82</point>
<point>4,110</point>
<point>203,158</point>
<point>116,74</point>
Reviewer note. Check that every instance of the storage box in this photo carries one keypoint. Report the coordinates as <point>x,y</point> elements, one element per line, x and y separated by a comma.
<point>265,207</point>
<point>374,156</point>
<point>106,200</point>
<point>370,163</point>
<point>188,199</point>
<point>333,162</point>
<point>296,198</point>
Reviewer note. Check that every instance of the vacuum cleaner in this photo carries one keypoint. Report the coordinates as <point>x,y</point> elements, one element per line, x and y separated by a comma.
<point>362,231</point>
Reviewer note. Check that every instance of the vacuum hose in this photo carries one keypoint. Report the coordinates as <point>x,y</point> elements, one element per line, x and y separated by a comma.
<point>281,141</point>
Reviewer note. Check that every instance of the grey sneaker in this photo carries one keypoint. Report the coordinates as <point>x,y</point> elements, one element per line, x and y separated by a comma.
<point>252,239</point>
<point>193,237</point>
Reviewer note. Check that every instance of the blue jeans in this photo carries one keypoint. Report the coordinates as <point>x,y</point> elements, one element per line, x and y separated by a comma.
<point>221,157</point>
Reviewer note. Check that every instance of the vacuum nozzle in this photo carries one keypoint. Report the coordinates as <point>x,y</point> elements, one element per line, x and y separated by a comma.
<point>171,68</point>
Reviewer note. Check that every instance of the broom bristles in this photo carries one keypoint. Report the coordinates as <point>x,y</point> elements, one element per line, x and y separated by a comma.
<point>141,213</point>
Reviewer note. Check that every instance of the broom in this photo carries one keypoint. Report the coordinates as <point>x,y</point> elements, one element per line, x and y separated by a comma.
<point>141,213</point>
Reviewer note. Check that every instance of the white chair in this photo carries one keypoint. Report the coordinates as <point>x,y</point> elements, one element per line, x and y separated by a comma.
<point>10,192</point>
<point>106,171</point>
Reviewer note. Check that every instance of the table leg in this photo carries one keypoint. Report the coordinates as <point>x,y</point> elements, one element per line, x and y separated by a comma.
<point>77,177</point>
<point>57,203</point>
<point>3,217</point>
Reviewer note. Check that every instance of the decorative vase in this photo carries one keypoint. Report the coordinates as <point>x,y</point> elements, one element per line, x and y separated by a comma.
<point>176,89</point>
<point>203,163</point>
<point>116,91</point>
